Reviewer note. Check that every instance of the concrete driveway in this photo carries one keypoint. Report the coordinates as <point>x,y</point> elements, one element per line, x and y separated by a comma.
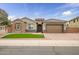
<point>62,36</point>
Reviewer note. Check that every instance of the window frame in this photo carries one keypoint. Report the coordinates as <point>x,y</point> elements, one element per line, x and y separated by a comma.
<point>18,28</point>
<point>30,27</point>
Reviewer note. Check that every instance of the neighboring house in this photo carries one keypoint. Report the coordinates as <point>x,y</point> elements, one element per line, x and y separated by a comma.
<point>72,25</point>
<point>25,24</point>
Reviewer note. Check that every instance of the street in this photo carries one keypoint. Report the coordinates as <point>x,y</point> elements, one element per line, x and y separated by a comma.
<point>39,50</point>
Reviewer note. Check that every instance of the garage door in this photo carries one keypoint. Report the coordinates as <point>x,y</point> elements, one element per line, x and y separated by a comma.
<point>54,28</point>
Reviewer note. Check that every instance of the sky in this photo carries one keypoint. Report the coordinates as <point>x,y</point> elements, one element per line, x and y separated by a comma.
<point>63,11</point>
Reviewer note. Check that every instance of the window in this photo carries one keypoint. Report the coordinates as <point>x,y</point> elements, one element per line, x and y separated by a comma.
<point>18,26</point>
<point>30,26</point>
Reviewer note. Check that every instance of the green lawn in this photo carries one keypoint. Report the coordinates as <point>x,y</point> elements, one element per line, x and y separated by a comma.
<point>24,36</point>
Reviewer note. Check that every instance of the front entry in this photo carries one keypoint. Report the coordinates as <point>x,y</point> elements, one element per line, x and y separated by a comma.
<point>39,28</point>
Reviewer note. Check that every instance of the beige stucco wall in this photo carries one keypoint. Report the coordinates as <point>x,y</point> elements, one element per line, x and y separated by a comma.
<point>30,22</point>
<point>44,26</point>
<point>33,25</point>
<point>71,24</point>
<point>66,25</point>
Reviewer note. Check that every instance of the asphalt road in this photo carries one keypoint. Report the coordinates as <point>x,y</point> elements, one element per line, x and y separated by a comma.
<point>39,50</point>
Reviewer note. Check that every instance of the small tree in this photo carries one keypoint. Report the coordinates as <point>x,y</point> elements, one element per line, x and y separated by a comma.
<point>6,23</point>
<point>4,18</point>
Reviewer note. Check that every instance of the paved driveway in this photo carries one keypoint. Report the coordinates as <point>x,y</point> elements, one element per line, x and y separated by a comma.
<point>64,36</point>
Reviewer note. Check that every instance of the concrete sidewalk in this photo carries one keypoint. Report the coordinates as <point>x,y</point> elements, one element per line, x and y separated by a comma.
<point>31,42</point>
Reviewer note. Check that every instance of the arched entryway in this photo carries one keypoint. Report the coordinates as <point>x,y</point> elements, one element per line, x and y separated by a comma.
<point>39,28</point>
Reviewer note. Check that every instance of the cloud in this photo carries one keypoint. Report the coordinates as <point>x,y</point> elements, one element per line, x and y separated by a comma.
<point>67,13</point>
<point>14,17</point>
<point>11,18</point>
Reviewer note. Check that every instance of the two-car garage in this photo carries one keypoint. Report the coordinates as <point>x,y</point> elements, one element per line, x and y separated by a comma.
<point>54,28</point>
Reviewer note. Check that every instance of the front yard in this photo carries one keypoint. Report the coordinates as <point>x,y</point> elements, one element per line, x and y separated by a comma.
<point>24,36</point>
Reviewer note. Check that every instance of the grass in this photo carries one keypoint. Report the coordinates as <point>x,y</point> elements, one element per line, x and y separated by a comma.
<point>24,36</point>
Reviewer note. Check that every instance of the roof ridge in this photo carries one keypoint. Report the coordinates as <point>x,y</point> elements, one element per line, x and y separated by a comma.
<point>74,18</point>
<point>55,19</point>
<point>26,18</point>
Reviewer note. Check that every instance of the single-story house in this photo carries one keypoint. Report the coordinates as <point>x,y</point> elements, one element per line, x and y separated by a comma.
<point>25,24</point>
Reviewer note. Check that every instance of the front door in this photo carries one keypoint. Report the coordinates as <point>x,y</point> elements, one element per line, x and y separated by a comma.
<point>39,27</point>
